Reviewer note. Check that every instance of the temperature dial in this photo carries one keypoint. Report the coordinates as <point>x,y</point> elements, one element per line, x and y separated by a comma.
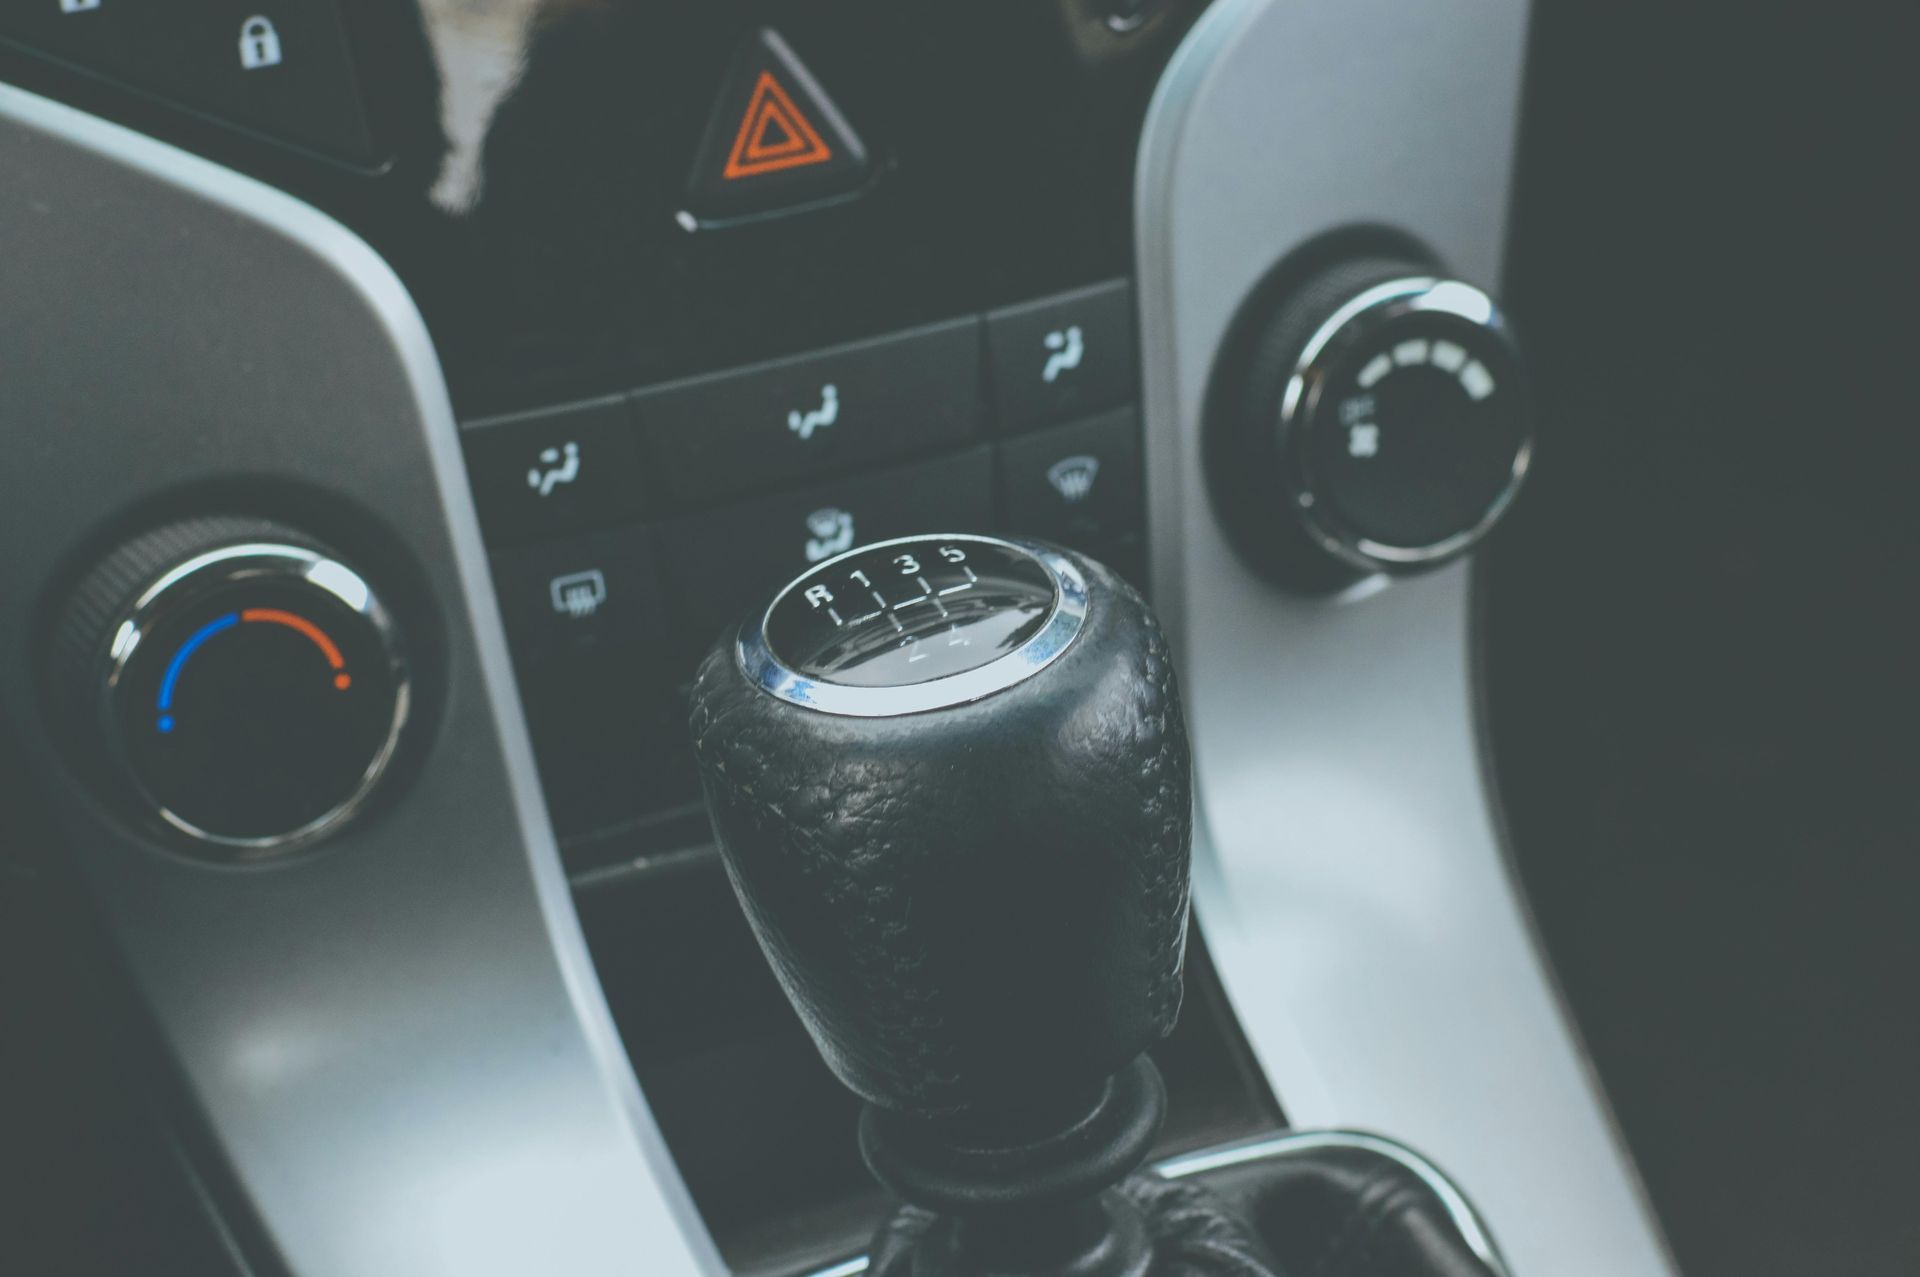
<point>1383,423</point>
<point>249,689</point>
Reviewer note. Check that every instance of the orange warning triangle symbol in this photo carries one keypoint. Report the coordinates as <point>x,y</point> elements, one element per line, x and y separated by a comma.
<point>774,134</point>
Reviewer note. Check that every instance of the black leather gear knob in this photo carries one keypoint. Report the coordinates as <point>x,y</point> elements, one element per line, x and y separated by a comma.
<point>950,779</point>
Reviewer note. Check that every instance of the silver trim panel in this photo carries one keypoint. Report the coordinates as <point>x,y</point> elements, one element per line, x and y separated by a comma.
<point>397,1043</point>
<point>1347,871</point>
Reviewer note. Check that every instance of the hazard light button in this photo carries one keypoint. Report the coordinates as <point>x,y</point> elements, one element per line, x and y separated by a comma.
<point>775,144</point>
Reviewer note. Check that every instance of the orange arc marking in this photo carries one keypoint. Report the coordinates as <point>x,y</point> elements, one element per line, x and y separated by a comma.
<point>274,616</point>
<point>752,155</point>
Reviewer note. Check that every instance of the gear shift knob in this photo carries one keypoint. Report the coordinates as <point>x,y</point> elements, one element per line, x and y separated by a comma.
<point>949,776</point>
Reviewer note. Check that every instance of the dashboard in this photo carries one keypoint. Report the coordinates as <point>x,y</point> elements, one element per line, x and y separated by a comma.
<point>678,386</point>
<point>406,396</point>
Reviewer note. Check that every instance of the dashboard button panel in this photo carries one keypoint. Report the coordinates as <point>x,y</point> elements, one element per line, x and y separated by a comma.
<point>575,596</point>
<point>783,423</point>
<point>561,470</point>
<point>752,475</point>
<point>99,35</point>
<point>278,67</point>
<point>281,67</point>
<point>1063,357</point>
<point>585,617</point>
<point>1078,484</point>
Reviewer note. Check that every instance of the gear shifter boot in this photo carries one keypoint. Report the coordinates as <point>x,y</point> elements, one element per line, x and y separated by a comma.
<point>1311,1210</point>
<point>1347,1210</point>
<point>1189,1233</point>
<point>1317,1205</point>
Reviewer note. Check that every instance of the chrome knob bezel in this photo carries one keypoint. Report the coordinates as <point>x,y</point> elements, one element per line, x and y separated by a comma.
<point>1354,322</point>
<point>193,580</point>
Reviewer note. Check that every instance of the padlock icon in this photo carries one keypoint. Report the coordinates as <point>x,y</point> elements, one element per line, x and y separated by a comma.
<point>259,43</point>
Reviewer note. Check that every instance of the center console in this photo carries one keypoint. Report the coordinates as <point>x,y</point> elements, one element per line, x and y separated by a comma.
<point>488,360</point>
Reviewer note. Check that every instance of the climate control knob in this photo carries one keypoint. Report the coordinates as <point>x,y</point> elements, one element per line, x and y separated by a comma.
<point>235,683</point>
<point>1378,421</point>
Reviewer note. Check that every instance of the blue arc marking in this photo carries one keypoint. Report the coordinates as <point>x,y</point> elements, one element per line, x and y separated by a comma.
<point>180,658</point>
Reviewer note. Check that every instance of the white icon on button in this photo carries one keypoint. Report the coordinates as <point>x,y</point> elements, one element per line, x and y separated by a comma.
<point>805,423</point>
<point>78,6</point>
<point>1067,346</point>
<point>1072,478</point>
<point>578,595</point>
<point>557,466</point>
<point>1363,432</point>
<point>831,533</point>
<point>259,43</point>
